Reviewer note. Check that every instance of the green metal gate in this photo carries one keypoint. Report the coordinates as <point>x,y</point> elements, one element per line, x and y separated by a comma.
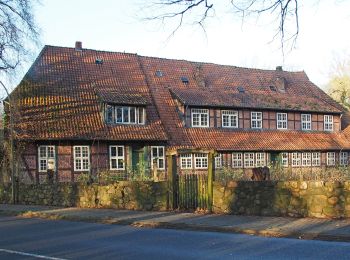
<point>192,192</point>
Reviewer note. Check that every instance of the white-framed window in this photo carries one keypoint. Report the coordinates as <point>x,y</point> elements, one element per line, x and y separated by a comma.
<point>141,116</point>
<point>284,158</point>
<point>316,159</point>
<point>306,159</point>
<point>81,158</point>
<point>331,158</point>
<point>256,120</point>
<point>125,115</point>
<point>296,159</point>
<point>237,160</point>
<point>157,155</point>
<point>344,158</point>
<point>260,159</point>
<point>186,161</point>
<point>200,117</point>
<point>305,121</point>
<point>328,122</point>
<point>229,118</point>
<point>282,120</point>
<point>109,114</point>
<point>46,155</point>
<point>116,157</point>
<point>218,161</point>
<point>249,160</point>
<point>200,161</point>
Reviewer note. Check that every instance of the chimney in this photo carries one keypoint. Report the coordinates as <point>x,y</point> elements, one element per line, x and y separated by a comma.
<point>279,68</point>
<point>78,46</point>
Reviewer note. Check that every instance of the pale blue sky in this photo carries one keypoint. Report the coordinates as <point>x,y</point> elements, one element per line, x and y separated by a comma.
<point>118,26</point>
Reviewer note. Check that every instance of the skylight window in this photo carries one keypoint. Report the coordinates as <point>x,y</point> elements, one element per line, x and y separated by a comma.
<point>185,80</point>
<point>99,61</point>
<point>240,89</point>
<point>159,73</point>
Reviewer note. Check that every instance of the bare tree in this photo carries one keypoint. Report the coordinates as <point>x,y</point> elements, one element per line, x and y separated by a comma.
<point>18,38</point>
<point>18,32</point>
<point>285,12</point>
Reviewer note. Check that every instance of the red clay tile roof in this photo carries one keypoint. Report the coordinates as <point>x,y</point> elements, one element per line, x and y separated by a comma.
<point>266,140</point>
<point>222,80</point>
<point>267,99</point>
<point>61,96</point>
<point>57,98</point>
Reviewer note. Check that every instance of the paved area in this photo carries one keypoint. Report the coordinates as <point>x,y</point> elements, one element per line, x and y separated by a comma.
<point>302,228</point>
<point>34,238</point>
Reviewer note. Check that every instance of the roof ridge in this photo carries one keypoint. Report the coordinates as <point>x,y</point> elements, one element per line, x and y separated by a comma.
<point>184,60</point>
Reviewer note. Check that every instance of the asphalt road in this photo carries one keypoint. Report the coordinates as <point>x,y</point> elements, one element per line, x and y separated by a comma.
<point>45,239</point>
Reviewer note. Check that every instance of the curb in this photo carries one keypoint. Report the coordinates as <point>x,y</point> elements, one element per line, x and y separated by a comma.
<point>179,226</point>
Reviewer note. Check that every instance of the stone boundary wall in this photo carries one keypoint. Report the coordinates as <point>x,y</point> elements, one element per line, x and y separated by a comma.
<point>133,195</point>
<point>283,198</point>
<point>265,198</point>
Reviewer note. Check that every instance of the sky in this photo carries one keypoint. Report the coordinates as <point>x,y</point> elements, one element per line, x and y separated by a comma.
<point>121,26</point>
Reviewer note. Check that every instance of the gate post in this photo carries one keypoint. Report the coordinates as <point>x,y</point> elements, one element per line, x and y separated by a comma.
<point>210,180</point>
<point>171,165</point>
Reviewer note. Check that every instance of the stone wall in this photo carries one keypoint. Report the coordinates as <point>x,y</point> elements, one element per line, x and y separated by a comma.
<point>284,198</point>
<point>289,198</point>
<point>134,195</point>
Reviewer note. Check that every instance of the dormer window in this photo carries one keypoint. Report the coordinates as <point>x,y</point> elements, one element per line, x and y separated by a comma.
<point>282,121</point>
<point>229,118</point>
<point>200,117</point>
<point>256,120</point>
<point>328,122</point>
<point>305,122</point>
<point>125,115</point>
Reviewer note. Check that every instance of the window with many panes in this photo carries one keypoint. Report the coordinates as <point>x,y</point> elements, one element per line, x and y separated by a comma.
<point>305,121</point>
<point>284,157</point>
<point>344,158</point>
<point>201,161</point>
<point>110,114</point>
<point>125,115</point>
<point>81,158</point>
<point>306,159</point>
<point>256,120</point>
<point>46,155</point>
<point>331,158</point>
<point>248,160</point>
<point>296,159</point>
<point>186,161</point>
<point>157,156</point>
<point>237,160</point>
<point>116,157</point>
<point>282,121</point>
<point>218,161</point>
<point>229,118</point>
<point>200,117</point>
<point>328,122</point>
<point>260,159</point>
<point>316,159</point>
<point>129,115</point>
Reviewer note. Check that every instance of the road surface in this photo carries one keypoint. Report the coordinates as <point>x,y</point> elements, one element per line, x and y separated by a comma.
<point>45,239</point>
